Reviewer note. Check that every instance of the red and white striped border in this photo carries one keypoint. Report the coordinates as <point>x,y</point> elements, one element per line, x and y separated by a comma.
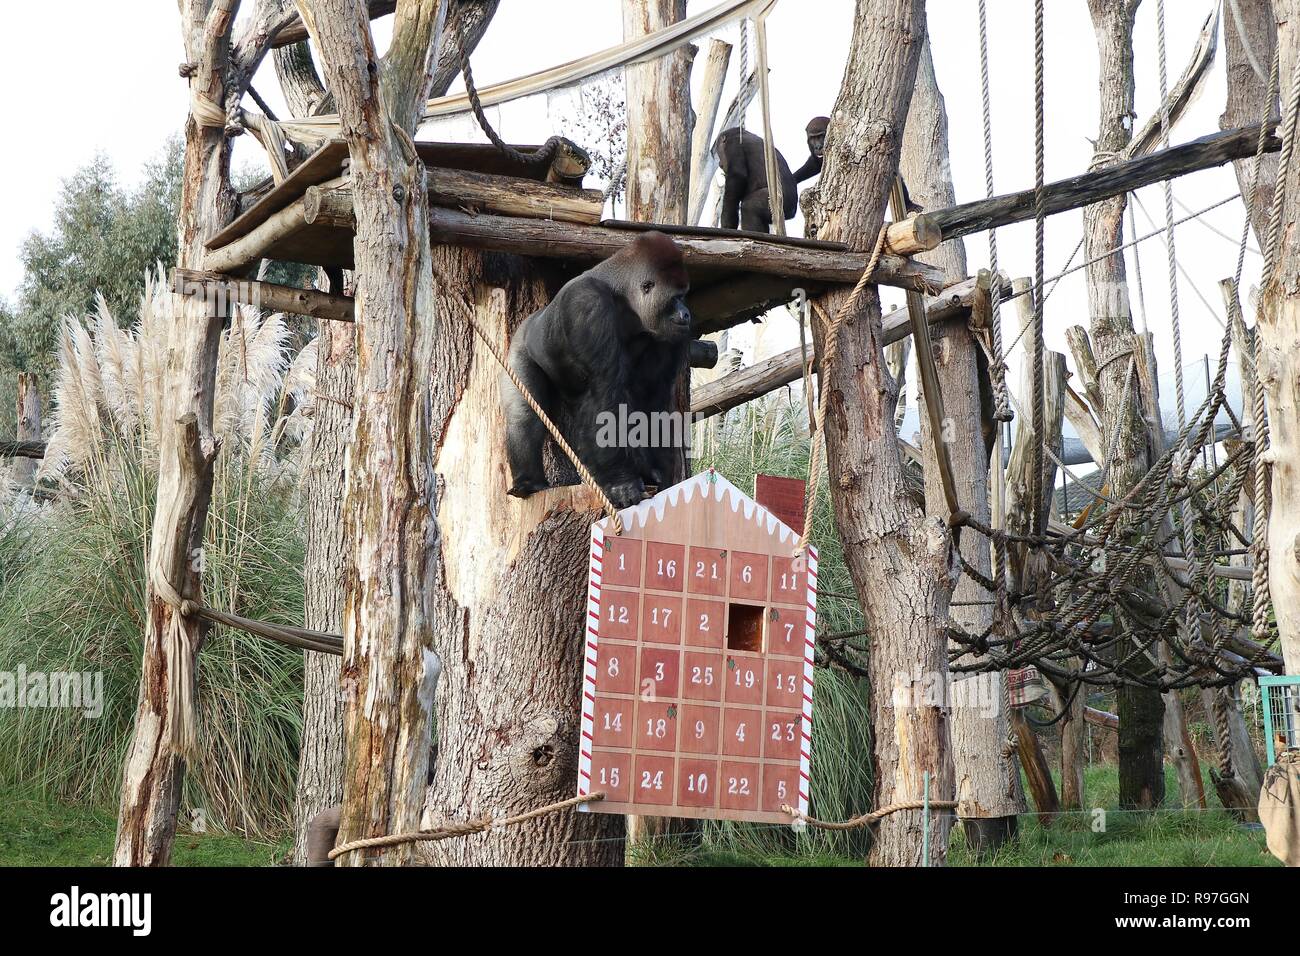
<point>810,635</point>
<point>590,640</point>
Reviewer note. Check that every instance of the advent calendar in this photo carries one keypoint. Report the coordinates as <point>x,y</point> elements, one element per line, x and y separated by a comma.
<point>698,675</point>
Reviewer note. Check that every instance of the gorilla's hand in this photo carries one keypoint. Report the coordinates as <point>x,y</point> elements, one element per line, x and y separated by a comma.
<point>626,493</point>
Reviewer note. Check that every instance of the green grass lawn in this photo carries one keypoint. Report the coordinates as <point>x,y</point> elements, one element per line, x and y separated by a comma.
<point>36,831</point>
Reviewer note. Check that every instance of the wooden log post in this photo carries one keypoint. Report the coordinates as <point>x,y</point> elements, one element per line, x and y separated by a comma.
<point>1141,709</point>
<point>29,424</point>
<point>706,117</point>
<point>1278,368</point>
<point>164,732</point>
<point>987,779</point>
<point>906,610</point>
<point>659,135</point>
<point>1026,567</point>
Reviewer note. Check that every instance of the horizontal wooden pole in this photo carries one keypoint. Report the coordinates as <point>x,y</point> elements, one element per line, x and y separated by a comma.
<point>907,237</point>
<point>22,449</point>
<point>746,384</point>
<point>554,240</point>
<point>1101,718</point>
<point>458,189</point>
<point>219,289</point>
<point>1088,188</point>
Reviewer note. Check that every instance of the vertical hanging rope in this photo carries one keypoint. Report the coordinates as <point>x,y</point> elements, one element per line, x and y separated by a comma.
<point>1193,614</point>
<point>998,368</point>
<point>1039,409</point>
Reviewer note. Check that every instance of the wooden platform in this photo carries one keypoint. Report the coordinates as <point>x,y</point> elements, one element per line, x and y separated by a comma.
<point>735,276</point>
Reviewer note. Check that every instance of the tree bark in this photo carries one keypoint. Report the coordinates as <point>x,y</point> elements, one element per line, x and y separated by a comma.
<point>29,423</point>
<point>660,123</point>
<point>899,559</point>
<point>987,779</point>
<point>1278,368</point>
<point>511,590</point>
<point>389,666</point>
<point>1141,709</point>
<point>1250,44</point>
<point>320,759</point>
<point>154,766</point>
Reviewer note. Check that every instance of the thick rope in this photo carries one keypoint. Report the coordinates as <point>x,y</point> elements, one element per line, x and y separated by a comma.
<point>998,367</point>
<point>587,477</point>
<point>872,818</point>
<point>469,827</point>
<point>830,348</point>
<point>543,155</point>
<point>1037,385</point>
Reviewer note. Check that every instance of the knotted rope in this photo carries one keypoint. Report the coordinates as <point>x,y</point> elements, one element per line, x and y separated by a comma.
<point>467,828</point>
<point>830,348</point>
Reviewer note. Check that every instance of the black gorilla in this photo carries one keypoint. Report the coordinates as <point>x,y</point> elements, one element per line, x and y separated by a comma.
<point>741,155</point>
<point>617,335</point>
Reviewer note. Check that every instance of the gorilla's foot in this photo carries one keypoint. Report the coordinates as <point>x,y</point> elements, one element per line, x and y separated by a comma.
<point>626,493</point>
<point>523,487</point>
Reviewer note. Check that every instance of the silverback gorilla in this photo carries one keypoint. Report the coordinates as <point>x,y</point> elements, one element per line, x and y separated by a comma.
<point>616,335</point>
<point>744,198</point>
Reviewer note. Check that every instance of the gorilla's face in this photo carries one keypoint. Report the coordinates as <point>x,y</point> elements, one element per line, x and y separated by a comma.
<point>817,143</point>
<point>661,303</point>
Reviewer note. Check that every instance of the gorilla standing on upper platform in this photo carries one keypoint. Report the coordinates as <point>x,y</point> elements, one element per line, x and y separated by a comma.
<point>616,335</point>
<point>745,199</point>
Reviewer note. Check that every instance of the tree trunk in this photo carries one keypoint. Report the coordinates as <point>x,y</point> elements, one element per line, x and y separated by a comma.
<point>660,123</point>
<point>987,779</point>
<point>511,591</point>
<point>900,560</point>
<point>320,760</point>
<point>1249,45</point>
<point>389,666</point>
<point>154,766</point>
<point>320,768</point>
<point>1278,368</point>
<point>29,423</point>
<point>1141,709</point>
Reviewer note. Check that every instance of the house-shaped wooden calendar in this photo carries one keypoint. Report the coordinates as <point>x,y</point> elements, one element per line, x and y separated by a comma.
<point>698,681</point>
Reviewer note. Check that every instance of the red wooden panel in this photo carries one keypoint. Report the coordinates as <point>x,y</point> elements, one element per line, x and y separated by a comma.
<point>613,719</point>
<point>618,614</point>
<point>612,773</point>
<point>661,619</point>
<point>665,566</point>
<point>705,622</point>
<point>616,668</point>
<point>749,576</point>
<point>789,586</point>
<point>707,571</point>
<point>782,734</point>
<point>780,786</point>
<point>744,683</point>
<point>653,780</point>
<point>784,497</point>
<point>703,676</point>
<point>739,785</point>
<point>742,732</point>
<point>699,729</point>
<point>785,631</point>
<point>656,725</point>
<point>660,673</point>
<point>621,562</point>
<point>784,684</point>
<point>697,782</point>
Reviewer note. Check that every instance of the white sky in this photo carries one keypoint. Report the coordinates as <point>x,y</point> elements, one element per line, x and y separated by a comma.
<point>111,86</point>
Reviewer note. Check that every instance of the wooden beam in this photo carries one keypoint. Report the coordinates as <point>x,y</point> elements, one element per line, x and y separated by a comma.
<point>22,449</point>
<point>215,286</point>
<point>458,189</point>
<point>1088,188</point>
<point>754,381</point>
<point>1101,718</point>
<point>552,240</point>
<point>296,31</point>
